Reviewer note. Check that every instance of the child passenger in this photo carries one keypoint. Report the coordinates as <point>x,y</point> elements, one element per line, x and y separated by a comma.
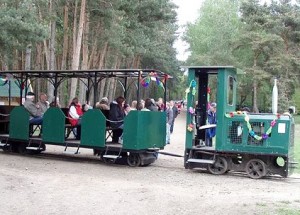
<point>75,114</point>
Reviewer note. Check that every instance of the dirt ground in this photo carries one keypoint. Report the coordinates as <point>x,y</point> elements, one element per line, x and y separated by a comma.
<point>55,183</point>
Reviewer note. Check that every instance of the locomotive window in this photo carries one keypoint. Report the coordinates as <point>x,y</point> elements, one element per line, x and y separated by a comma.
<point>230,91</point>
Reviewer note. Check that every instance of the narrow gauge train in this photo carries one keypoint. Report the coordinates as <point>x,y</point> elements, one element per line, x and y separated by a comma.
<point>139,146</point>
<point>258,144</point>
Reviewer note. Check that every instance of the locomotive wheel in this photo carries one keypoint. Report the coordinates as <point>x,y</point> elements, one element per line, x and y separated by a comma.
<point>134,160</point>
<point>256,168</point>
<point>219,167</point>
<point>6,149</point>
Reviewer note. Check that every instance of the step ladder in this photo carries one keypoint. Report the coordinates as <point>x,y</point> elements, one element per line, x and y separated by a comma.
<point>71,152</point>
<point>203,161</point>
<point>4,143</point>
<point>113,157</point>
<point>34,148</point>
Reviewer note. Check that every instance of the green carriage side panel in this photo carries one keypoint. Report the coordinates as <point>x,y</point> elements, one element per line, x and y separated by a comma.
<point>54,126</point>
<point>93,129</point>
<point>19,124</point>
<point>190,103</point>
<point>144,129</point>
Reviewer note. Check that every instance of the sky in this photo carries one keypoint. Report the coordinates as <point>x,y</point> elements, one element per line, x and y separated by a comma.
<point>187,12</point>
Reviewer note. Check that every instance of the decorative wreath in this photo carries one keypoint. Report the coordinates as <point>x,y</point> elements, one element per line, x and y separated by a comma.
<point>146,81</point>
<point>264,136</point>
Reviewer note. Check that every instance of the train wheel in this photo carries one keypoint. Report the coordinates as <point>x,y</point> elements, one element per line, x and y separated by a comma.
<point>256,168</point>
<point>219,167</point>
<point>14,147</point>
<point>6,149</point>
<point>22,149</point>
<point>134,160</point>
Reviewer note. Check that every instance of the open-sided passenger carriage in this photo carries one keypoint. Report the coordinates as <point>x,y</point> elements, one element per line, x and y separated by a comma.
<point>139,146</point>
<point>258,144</point>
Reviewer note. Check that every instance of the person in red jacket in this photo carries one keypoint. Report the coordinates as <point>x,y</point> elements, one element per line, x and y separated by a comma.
<point>75,114</point>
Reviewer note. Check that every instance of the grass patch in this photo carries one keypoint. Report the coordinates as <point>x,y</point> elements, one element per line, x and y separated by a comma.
<point>285,202</point>
<point>297,147</point>
<point>288,211</point>
<point>297,119</point>
<point>297,156</point>
<point>261,204</point>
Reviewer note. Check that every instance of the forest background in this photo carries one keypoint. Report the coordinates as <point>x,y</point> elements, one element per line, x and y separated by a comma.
<point>260,39</point>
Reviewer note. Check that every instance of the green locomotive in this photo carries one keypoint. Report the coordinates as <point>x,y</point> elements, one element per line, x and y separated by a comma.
<point>258,144</point>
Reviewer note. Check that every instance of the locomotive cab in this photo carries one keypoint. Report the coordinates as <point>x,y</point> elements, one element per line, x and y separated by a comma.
<point>212,85</point>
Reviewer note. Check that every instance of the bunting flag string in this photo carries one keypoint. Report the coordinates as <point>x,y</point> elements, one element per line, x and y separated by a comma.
<point>145,82</point>
<point>252,133</point>
<point>191,89</point>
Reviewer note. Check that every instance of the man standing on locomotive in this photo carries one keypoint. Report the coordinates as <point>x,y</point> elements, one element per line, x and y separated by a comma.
<point>212,120</point>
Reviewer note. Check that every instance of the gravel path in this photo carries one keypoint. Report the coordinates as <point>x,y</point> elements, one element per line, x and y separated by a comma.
<point>54,183</point>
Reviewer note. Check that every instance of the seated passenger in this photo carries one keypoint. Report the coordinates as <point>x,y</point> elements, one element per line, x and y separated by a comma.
<point>141,107</point>
<point>52,104</point>
<point>127,109</point>
<point>103,104</point>
<point>116,115</point>
<point>36,116</point>
<point>160,104</point>
<point>150,104</point>
<point>86,107</point>
<point>75,114</point>
<point>133,105</point>
<point>43,103</point>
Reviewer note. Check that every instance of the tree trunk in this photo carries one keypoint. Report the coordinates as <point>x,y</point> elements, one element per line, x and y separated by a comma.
<point>112,86</point>
<point>103,54</point>
<point>38,63</point>
<point>63,85</point>
<point>28,58</point>
<point>254,85</point>
<point>85,60</point>
<point>94,49</point>
<point>50,91</point>
<point>77,47</point>
<point>104,82</point>
<point>102,88</point>
<point>66,38</point>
